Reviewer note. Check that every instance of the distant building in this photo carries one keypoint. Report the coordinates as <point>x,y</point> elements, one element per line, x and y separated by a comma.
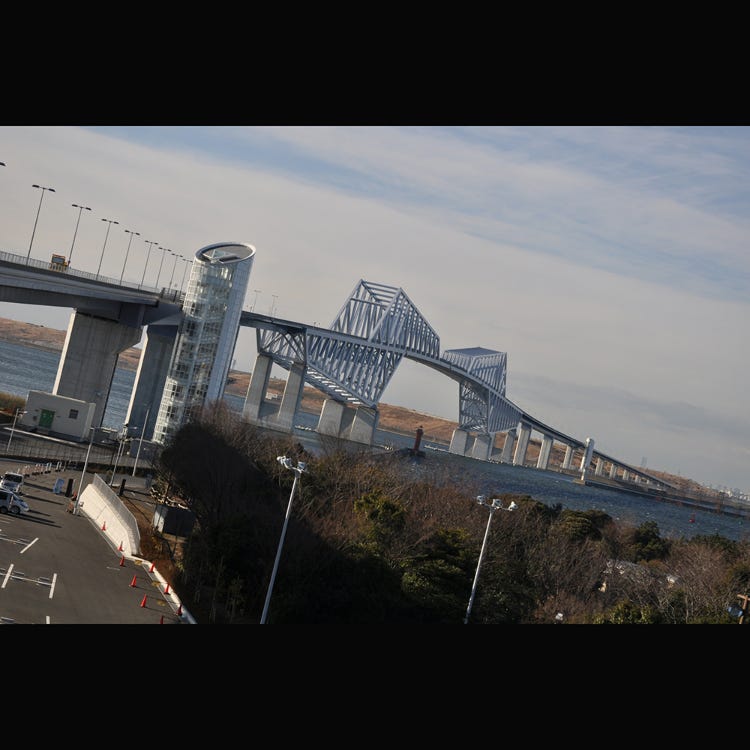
<point>207,333</point>
<point>57,416</point>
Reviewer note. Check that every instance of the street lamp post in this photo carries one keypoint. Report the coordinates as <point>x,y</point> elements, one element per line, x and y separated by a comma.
<point>273,304</point>
<point>158,275</point>
<point>120,443</point>
<point>184,271</point>
<point>255,299</point>
<point>110,222</point>
<point>298,470</point>
<point>18,413</point>
<point>41,198</point>
<point>83,473</point>
<point>493,505</point>
<point>150,244</point>
<point>137,234</point>
<point>140,442</point>
<point>81,209</point>
<point>174,265</point>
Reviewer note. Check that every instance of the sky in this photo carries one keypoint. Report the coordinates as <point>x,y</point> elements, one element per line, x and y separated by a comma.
<point>611,263</point>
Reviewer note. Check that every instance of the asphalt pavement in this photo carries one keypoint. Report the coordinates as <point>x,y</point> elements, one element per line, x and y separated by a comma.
<point>59,568</point>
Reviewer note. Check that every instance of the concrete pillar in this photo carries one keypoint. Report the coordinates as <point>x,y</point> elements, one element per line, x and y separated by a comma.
<point>149,380</point>
<point>510,440</point>
<point>568,457</point>
<point>524,433</point>
<point>637,479</point>
<point>331,416</point>
<point>290,401</point>
<point>612,471</point>
<point>458,442</point>
<point>364,425</point>
<point>599,467</point>
<point>544,451</point>
<point>625,475</point>
<point>483,447</point>
<point>89,358</point>
<point>256,391</point>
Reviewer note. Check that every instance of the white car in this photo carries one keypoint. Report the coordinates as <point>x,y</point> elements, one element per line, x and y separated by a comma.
<point>12,481</point>
<point>11,503</point>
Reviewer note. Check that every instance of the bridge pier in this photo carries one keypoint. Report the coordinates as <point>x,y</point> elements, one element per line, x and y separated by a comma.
<point>524,433</point>
<point>506,456</point>
<point>364,425</point>
<point>458,442</point>
<point>253,409</point>
<point>568,457</point>
<point>599,467</point>
<point>331,417</point>
<point>483,445</point>
<point>290,401</point>
<point>149,379</point>
<point>544,452</point>
<point>625,475</point>
<point>89,358</point>
<point>612,470</point>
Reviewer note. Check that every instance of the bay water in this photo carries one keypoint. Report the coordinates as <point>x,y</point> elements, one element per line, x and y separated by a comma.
<point>25,368</point>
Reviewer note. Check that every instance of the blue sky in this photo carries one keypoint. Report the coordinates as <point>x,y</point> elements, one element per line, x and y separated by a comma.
<point>611,263</point>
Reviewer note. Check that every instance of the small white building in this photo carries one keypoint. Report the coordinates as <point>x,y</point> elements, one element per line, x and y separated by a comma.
<point>57,416</point>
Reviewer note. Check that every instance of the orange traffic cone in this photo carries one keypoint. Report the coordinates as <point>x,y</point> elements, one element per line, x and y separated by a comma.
<point>143,601</point>
<point>104,526</point>
<point>166,590</point>
<point>122,561</point>
<point>119,549</point>
<point>151,569</point>
<point>132,583</point>
<point>179,610</point>
<point>161,620</point>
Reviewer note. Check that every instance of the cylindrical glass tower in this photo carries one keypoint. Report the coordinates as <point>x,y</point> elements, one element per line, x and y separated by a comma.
<point>207,335</point>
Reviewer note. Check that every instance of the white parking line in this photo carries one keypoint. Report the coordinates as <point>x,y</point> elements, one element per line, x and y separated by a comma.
<point>34,541</point>
<point>52,587</point>
<point>7,575</point>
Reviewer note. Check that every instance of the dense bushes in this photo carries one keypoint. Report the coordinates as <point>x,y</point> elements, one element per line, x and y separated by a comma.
<point>368,544</point>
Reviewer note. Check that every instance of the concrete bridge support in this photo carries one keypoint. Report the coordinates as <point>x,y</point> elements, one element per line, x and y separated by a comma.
<point>524,433</point>
<point>613,471</point>
<point>290,401</point>
<point>89,358</point>
<point>331,417</point>
<point>483,445</point>
<point>364,425</point>
<point>543,460</point>
<point>459,439</point>
<point>149,380</point>
<point>599,467</point>
<point>510,440</point>
<point>625,475</point>
<point>568,457</point>
<point>253,410</point>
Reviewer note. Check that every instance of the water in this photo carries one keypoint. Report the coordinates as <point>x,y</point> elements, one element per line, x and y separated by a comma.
<point>24,368</point>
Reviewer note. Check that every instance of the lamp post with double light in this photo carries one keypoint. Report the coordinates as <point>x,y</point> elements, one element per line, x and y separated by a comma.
<point>132,234</point>
<point>492,505</point>
<point>33,232</point>
<point>158,275</point>
<point>18,413</point>
<point>184,272</point>
<point>81,209</point>
<point>83,473</point>
<point>150,244</point>
<point>110,222</point>
<point>298,470</point>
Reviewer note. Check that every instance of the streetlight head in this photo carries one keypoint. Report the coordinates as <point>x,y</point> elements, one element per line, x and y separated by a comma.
<point>481,499</point>
<point>52,190</point>
<point>301,466</point>
<point>36,186</point>
<point>497,503</point>
<point>513,505</point>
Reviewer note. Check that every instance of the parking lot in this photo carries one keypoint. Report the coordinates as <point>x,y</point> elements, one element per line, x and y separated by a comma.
<point>59,568</point>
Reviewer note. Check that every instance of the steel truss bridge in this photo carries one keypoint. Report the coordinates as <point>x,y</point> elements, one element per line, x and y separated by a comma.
<point>353,360</point>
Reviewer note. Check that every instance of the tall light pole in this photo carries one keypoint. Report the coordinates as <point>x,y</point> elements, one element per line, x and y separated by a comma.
<point>493,505</point>
<point>184,271</point>
<point>273,304</point>
<point>120,442</point>
<point>174,265</point>
<point>81,209</point>
<point>83,473</point>
<point>255,299</point>
<point>140,442</point>
<point>137,234</point>
<point>110,222</point>
<point>298,470</point>
<point>19,411</point>
<point>41,198</point>
<point>161,263</point>
<point>150,244</point>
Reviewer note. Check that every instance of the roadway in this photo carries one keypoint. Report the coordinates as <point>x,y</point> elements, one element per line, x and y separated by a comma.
<point>59,568</point>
